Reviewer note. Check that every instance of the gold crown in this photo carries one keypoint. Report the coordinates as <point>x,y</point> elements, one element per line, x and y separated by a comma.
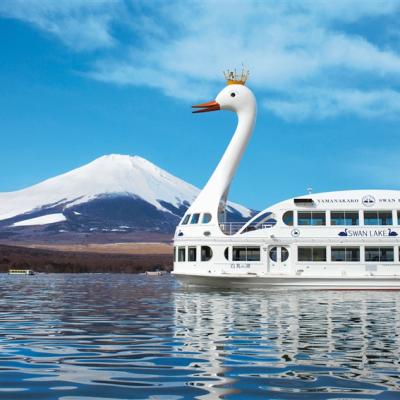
<point>233,78</point>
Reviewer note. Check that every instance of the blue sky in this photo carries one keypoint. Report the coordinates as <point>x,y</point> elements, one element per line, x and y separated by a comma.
<point>80,79</point>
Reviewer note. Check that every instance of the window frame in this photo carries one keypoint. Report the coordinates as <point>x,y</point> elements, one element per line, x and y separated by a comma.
<point>344,217</point>
<point>256,257</point>
<point>195,219</point>
<point>203,257</point>
<point>346,250</point>
<point>288,213</point>
<point>273,251</point>
<point>189,258</point>
<point>379,248</point>
<point>203,218</point>
<point>180,249</point>
<point>186,219</point>
<point>378,218</point>
<point>311,218</point>
<point>313,255</point>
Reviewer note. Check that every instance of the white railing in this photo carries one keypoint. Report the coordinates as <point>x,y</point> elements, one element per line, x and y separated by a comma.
<point>230,228</point>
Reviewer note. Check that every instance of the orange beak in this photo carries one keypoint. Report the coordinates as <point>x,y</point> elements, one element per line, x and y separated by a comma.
<point>206,107</point>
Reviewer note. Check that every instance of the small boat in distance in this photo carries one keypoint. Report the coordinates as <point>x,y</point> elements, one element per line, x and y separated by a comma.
<point>336,240</point>
<point>21,271</point>
<point>156,273</point>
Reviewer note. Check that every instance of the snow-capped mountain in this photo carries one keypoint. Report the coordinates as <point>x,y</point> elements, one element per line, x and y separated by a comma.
<point>114,193</point>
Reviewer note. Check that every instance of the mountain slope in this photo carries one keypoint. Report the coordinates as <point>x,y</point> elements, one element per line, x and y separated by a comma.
<point>114,193</point>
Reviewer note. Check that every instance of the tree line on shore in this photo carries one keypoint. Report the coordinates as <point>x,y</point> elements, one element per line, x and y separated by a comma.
<point>51,261</point>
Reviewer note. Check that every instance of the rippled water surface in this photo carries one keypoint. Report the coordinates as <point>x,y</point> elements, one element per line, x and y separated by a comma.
<point>95,336</point>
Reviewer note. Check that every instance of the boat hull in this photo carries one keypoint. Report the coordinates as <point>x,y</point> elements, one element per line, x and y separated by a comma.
<point>291,282</point>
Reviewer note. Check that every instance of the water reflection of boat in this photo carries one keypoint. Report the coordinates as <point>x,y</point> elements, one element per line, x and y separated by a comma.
<point>286,342</point>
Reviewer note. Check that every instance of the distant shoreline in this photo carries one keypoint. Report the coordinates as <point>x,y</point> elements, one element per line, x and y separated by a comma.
<point>76,258</point>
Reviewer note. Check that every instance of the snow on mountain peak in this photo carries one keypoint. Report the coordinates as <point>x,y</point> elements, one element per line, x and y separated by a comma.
<point>106,175</point>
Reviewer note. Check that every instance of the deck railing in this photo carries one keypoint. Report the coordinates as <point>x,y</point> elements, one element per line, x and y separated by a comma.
<point>230,228</point>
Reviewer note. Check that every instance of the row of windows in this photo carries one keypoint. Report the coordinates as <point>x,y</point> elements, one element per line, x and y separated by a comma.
<point>340,218</point>
<point>304,253</point>
<point>239,253</point>
<point>195,218</point>
<point>351,254</point>
<point>182,253</point>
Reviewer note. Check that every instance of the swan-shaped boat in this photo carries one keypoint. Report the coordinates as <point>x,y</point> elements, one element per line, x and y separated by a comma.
<point>335,240</point>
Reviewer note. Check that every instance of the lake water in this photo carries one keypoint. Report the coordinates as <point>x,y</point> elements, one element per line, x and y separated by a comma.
<point>106,336</point>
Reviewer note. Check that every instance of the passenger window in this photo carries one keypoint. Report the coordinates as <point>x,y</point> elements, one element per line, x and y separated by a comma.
<point>304,218</point>
<point>239,253</point>
<point>206,253</point>
<point>273,254</point>
<point>195,218</point>
<point>379,254</point>
<point>319,254</point>
<point>344,218</point>
<point>206,218</point>
<point>192,253</point>
<point>181,254</point>
<point>186,219</point>
<point>246,253</point>
<point>311,218</point>
<point>253,254</point>
<point>284,254</point>
<point>287,218</point>
<point>351,254</point>
<point>226,253</point>
<point>314,254</point>
<point>378,218</point>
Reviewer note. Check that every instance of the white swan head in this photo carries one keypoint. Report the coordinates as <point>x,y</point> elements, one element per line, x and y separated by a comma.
<point>234,98</point>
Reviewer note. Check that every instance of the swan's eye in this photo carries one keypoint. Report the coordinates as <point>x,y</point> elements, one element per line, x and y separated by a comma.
<point>233,94</point>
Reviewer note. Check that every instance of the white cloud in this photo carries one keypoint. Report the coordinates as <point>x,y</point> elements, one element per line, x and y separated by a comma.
<point>80,24</point>
<point>323,103</point>
<point>309,59</point>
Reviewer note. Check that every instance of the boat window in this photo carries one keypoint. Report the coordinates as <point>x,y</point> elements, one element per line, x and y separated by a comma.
<point>273,254</point>
<point>253,254</point>
<point>345,254</point>
<point>304,253</point>
<point>378,218</point>
<point>239,253</point>
<point>206,253</point>
<point>315,254</point>
<point>311,218</point>
<point>226,253</point>
<point>195,218</point>
<point>284,254</point>
<point>287,218</point>
<point>174,253</point>
<point>206,218</point>
<point>186,219</point>
<point>181,254</point>
<point>192,253</point>
<point>246,253</point>
<point>379,254</point>
<point>344,218</point>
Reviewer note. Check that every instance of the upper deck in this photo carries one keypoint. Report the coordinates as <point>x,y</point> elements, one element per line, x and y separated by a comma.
<point>353,213</point>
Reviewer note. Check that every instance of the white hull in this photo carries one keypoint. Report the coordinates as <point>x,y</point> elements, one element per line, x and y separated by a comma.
<point>291,282</point>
